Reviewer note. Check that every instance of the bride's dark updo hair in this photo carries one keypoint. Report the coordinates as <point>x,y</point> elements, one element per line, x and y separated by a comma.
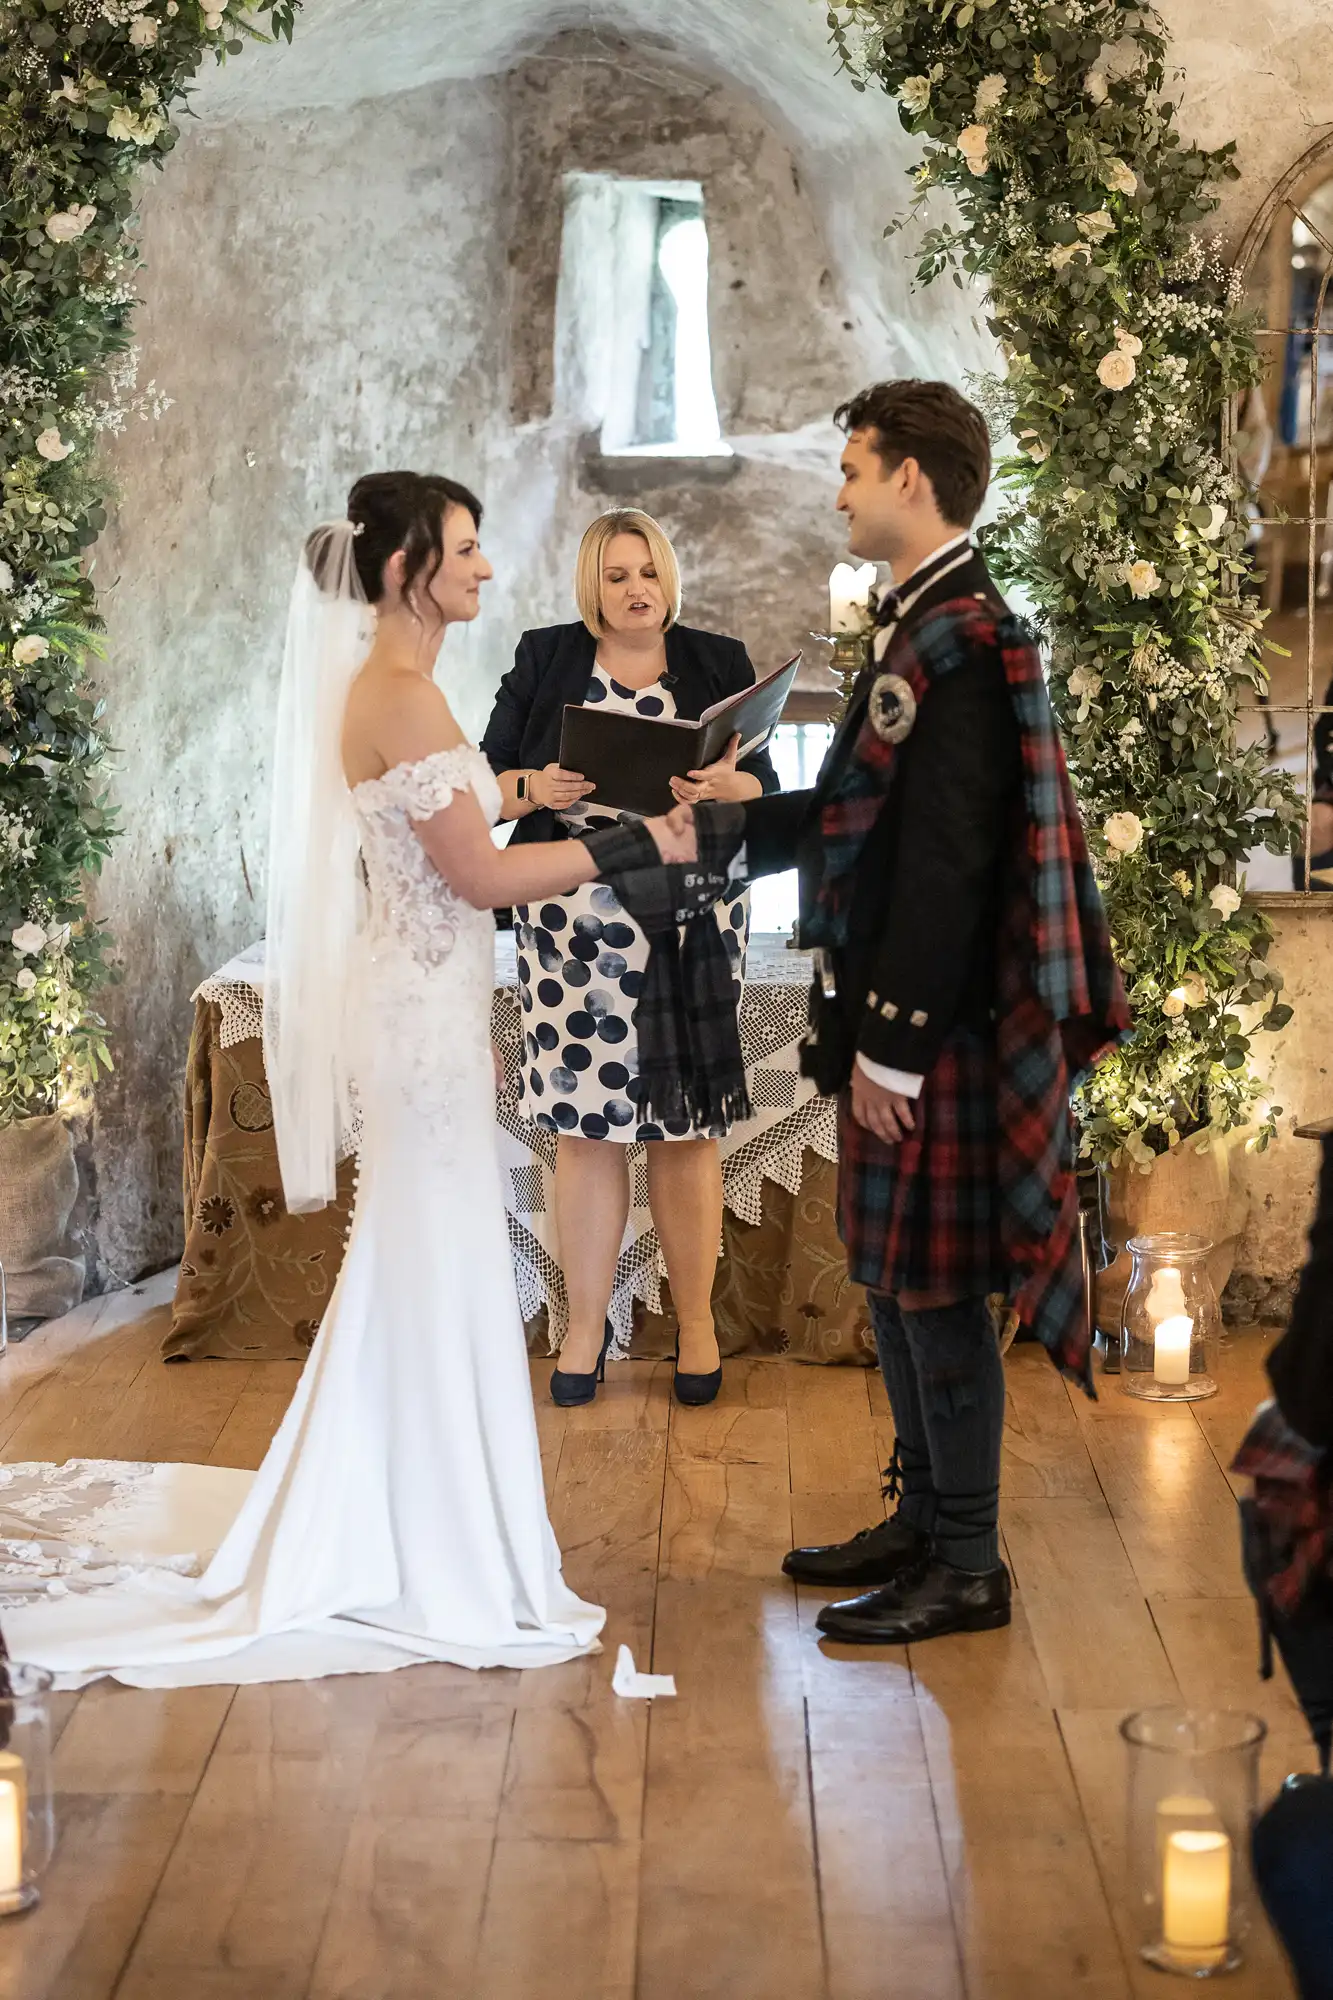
<point>400,510</point>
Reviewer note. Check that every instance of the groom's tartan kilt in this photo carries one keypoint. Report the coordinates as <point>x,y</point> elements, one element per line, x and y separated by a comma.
<point>924,1215</point>
<point>981,1196</point>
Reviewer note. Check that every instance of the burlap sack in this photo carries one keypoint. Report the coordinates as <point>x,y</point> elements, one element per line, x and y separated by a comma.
<point>39,1184</point>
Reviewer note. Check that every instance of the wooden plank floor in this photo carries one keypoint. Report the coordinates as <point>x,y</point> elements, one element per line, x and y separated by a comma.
<point>803,1823</point>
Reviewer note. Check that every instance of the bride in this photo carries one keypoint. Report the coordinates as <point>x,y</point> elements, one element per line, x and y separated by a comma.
<point>399,1515</point>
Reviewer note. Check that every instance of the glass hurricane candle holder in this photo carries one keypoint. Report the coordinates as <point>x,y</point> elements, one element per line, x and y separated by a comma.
<point>1193,1795</point>
<point>27,1817</point>
<point>1171,1322</point>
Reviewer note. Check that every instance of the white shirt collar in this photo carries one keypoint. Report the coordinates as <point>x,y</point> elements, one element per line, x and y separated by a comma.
<point>949,555</point>
<point>951,547</point>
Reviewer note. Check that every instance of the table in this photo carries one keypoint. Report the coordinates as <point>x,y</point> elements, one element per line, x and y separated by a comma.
<point>255,1280</point>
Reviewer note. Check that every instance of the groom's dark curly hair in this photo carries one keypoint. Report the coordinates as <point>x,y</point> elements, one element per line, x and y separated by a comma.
<point>941,430</point>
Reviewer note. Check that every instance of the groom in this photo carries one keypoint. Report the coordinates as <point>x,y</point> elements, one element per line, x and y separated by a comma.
<point>963,968</point>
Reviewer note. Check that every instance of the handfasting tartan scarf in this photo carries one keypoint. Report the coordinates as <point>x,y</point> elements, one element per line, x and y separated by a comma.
<point>1289,1539</point>
<point>690,1062</point>
<point>1287,1550</point>
<point>1060,1005</point>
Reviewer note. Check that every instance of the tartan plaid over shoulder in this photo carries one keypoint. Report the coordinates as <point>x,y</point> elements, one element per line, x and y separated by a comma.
<point>1060,1005</point>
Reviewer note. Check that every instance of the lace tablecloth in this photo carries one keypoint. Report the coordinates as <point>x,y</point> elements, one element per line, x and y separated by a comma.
<point>782,1283</point>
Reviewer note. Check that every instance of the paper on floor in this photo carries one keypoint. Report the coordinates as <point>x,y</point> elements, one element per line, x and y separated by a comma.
<point>628,1681</point>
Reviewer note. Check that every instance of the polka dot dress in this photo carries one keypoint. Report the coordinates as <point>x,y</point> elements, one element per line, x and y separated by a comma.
<point>581,961</point>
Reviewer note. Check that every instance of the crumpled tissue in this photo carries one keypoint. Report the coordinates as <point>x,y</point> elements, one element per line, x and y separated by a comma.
<point>628,1681</point>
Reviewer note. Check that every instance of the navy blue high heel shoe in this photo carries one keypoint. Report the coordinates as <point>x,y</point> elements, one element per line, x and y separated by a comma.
<point>569,1390</point>
<point>696,1390</point>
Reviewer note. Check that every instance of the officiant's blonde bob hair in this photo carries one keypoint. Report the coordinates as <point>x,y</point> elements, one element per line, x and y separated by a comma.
<point>592,553</point>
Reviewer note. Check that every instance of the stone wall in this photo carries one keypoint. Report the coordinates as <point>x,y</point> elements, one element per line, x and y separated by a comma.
<point>293,315</point>
<point>352,261</point>
<point>1258,74</point>
<point>364,283</point>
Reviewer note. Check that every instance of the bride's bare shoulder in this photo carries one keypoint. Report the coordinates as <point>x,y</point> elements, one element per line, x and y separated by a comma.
<point>394,717</point>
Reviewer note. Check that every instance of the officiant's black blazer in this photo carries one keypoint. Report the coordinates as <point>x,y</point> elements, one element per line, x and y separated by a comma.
<point>552,667</point>
<point>922,925</point>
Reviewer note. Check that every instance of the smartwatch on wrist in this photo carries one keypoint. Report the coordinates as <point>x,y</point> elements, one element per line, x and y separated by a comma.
<point>523,788</point>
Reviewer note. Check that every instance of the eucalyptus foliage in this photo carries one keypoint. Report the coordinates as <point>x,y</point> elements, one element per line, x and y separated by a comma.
<point>89,94</point>
<point>1079,205</point>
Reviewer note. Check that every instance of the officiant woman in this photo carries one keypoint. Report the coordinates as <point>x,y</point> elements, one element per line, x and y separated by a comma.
<point>581,960</point>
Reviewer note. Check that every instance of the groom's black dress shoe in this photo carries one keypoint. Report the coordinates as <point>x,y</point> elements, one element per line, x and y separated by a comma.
<point>924,1603</point>
<point>876,1555</point>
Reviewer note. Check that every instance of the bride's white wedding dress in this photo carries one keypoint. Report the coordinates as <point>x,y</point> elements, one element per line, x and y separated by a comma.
<point>399,1515</point>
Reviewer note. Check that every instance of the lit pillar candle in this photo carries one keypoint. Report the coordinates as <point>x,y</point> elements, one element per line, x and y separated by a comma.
<point>1182,1812</point>
<point>1172,1327</point>
<point>1196,1896</point>
<point>849,597</point>
<point>11,1834</point>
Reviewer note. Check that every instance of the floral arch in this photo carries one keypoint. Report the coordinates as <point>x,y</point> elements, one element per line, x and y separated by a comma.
<point>1078,204</point>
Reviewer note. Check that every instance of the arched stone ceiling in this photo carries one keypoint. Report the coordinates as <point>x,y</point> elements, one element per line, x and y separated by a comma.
<point>347,50</point>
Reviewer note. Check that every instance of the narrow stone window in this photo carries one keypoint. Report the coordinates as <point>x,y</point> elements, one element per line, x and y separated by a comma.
<point>633,355</point>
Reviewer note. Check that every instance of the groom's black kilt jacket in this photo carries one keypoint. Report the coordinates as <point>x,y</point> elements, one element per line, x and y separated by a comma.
<point>923,919</point>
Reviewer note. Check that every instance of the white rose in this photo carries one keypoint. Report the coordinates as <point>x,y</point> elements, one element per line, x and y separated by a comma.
<point>1216,523</point>
<point>1142,578</point>
<point>28,938</point>
<point>26,980</point>
<point>30,648</point>
<point>1064,254</point>
<point>68,93</point>
<point>129,125</point>
<point>1097,226</point>
<point>990,92</point>
<point>1096,86</point>
<point>1192,986</point>
<point>173,9</point>
<point>213,18</point>
<point>974,145</point>
<point>1123,831</point>
<point>68,224</point>
<point>1116,370</point>
<point>1128,343</point>
<point>143,32</point>
<point>1084,684</point>
<point>1174,1002</point>
<point>51,445</point>
<point>1120,178</point>
<point>1224,899</point>
<point>915,94</point>
<point>6,577</point>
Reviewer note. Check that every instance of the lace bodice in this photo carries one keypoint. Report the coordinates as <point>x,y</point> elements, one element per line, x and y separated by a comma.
<point>412,906</point>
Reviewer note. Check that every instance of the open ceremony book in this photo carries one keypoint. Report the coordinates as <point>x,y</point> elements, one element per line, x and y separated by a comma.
<point>632,758</point>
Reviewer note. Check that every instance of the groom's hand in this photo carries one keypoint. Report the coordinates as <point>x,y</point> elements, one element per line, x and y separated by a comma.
<point>884,1112</point>
<point>674,835</point>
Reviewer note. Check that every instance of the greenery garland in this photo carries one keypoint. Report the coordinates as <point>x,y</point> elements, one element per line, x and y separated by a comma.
<point>1078,204</point>
<point>1124,338</point>
<point>89,90</point>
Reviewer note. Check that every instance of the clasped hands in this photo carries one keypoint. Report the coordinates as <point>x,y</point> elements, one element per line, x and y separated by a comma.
<point>886,1113</point>
<point>674,831</point>
<point>674,834</point>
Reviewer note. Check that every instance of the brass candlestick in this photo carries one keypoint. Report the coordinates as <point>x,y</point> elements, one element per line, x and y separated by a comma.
<point>851,655</point>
